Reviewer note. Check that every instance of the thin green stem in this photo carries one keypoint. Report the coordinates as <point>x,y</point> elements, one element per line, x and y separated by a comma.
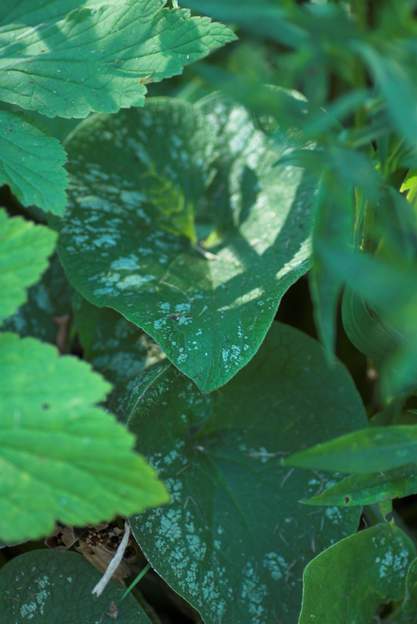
<point>137,580</point>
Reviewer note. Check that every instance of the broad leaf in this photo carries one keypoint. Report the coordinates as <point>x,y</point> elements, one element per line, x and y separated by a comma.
<point>367,450</point>
<point>72,57</point>
<point>32,164</point>
<point>235,539</point>
<point>24,252</point>
<point>50,586</point>
<point>46,314</point>
<point>62,458</point>
<point>117,349</point>
<point>406,614</point>
<point>192,232</point>
<point>367,489</point>
<point>352,580</point>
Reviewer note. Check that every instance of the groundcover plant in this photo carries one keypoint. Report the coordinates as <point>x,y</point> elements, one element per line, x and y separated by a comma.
<point>208,311</point>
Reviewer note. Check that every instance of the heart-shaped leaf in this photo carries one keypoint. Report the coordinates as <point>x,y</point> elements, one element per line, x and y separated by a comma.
<point>46,587</point>
<point>235,538</point>
<point>192,232</point>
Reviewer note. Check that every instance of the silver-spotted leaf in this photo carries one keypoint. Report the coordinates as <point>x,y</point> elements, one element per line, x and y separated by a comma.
<point>24,251</point>
<point>191,232</point>
<point>69,58</point>
<point>61,457</point>
<point>235,539</point>
<point>353,580</point>
<point>50,586</point>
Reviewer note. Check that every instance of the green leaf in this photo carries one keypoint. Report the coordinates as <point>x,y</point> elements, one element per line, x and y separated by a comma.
<point>409,186</point>
<point>397,85</point>
<point>32,164</point>
<point>62,458</point>
<point>46,314</point>
<point>367,450</point>
<point>192,233</point>
<point>50,586</point>
<point>235,538</point>
<point>72,58</point>
<point>263,18</point>
<point>366,330</point>
<point>352,580</point>
<point>367,489</point>
<point>24,252</point>
<point>407,612</point>
<point>333,222</point>
<point>120,351</point>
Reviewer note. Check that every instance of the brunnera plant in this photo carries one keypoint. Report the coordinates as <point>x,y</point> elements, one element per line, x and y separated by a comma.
<point>143,374</point>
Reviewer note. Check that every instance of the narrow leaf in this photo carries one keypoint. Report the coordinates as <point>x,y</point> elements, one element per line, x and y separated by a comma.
<point>367,450</point>
<point>368,489</point>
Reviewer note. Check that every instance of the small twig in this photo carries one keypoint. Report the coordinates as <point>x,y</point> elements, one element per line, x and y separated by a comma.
<point>114,563</point>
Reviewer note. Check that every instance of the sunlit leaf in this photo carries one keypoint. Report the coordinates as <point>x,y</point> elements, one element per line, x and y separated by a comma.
<point>192,233</point>
<point>71,58</point>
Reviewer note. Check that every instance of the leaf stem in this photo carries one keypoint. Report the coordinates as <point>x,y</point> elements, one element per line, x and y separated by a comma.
<point>137,580</point>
